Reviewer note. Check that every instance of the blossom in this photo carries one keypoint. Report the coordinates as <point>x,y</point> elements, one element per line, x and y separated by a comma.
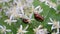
<point>9,21</point>
<point>4,30</point>
<point>39,30</point>
<point>55,24</point>
<point>21,30</point>
<point>14,13</point>
<point>51,4</point>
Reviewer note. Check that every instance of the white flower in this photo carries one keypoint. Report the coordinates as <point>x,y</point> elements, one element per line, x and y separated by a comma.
<point>51,4</point>
<point>55,24</point>
<point>39,30</point>
<point>21,30</point>
<point>4,30</point>
<point>14,13</point>
<point>36,29</point>
<point>11,11</point>
<point>10,21</point>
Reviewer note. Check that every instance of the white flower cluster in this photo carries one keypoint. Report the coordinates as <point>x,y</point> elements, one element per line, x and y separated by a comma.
<point>21,9</point>
<point>3,30</point>
<point>55,25</point>
<point>50,4</point>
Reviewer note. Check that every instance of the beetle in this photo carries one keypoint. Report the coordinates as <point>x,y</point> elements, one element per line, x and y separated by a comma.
<point>25,21</point>
<point>38,16</point>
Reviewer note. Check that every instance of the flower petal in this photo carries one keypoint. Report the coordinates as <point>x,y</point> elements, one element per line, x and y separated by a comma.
<point>21,27</point>
<point>26,27</point>
<point>24,31</point>
<point>8,30</point>
<point>50,23</point>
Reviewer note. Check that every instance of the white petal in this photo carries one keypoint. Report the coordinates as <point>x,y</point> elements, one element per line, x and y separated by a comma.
<point>58,30</point>
<point>40,10</point>
<point>46,3</point>
<point>31,15</point>
<point>51,19</point>
<point>42,0</point>
<point>50,23</point>
<point>40,26</point>
<point>14,20</point>
<point>21,27</point>
<point>4,27</point>
<point>17,33</point>
<point>8,30</point>
<point>37,7</point>
<point>5,20</point>
<point>11,17</point>
<point>4,32</point>
<point>52,28</point>
<point>20,15</point>
<point>35,30</point>
<point>22,10</point>
<point>24,31</point>
<point>1,26</point>
<point>26,27</point>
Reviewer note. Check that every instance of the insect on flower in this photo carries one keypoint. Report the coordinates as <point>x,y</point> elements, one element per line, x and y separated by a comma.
<point>38,17</point>
<point>26,21</point>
